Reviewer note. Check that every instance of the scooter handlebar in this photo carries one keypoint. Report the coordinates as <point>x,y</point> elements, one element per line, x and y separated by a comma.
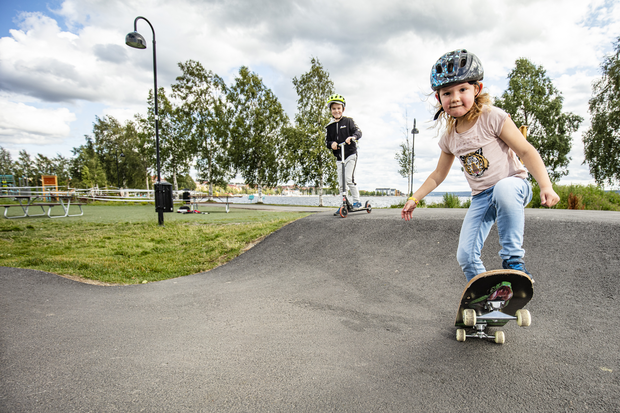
<point>345,142</point>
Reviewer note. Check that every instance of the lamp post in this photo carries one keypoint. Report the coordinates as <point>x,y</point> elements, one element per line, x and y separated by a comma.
<point>136,40</point>
<point>413,132</point>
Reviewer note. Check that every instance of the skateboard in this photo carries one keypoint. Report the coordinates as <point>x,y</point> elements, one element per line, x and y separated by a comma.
<point>492,299</point>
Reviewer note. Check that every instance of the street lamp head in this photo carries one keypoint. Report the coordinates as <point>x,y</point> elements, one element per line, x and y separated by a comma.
<point>135,39</point>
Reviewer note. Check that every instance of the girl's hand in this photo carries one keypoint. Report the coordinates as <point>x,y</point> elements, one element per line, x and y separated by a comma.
<point>410,205</point>
<point>334,145</point>
<point>348,140</point>
<point>548,197</point>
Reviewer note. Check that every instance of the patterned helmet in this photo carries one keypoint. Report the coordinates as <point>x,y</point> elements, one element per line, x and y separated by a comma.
<point>336,99</point>
<point>456,67</point>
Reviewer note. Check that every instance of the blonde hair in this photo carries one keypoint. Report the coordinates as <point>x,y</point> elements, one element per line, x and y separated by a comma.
<point>483,99</point>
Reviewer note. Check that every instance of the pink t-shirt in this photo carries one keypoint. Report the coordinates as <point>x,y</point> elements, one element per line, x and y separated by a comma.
<point>486,159</point>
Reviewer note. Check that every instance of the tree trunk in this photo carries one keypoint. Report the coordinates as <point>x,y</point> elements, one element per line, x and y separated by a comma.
<point>210,180</point>
<point>321,191</point>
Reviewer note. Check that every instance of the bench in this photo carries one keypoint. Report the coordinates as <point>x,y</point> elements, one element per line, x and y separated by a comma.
<point>27,214</point>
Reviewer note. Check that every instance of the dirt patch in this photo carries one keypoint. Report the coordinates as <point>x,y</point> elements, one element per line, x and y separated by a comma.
<point>86,280</point>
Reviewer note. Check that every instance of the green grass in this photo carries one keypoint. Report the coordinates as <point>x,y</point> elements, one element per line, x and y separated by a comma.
<point>125,245</point>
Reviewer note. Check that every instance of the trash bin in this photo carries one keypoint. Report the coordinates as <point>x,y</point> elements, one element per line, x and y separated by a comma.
<point>187,196</point>
<point>163,197</point>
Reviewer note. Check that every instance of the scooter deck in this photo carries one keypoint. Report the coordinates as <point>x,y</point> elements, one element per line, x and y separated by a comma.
<point>345,209</point>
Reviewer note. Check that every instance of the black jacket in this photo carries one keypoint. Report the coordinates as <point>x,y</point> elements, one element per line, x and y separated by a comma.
<point>339,131</point>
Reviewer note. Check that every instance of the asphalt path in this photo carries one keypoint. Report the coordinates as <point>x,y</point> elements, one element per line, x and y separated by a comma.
<point>325,315</point>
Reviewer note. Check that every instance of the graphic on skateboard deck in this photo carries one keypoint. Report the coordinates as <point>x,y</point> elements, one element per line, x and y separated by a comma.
<point>492,299</point>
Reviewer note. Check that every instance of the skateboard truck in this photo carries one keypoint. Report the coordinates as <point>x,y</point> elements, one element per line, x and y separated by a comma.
<point>494,316</point>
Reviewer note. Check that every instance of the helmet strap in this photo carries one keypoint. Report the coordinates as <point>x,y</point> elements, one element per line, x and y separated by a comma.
<point>438,113</point>
<point>440,109</point>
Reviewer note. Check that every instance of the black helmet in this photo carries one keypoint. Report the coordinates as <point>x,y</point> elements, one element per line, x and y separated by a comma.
<point>456,67</point>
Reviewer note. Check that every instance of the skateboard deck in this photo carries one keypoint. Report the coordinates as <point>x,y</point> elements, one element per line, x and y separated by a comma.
<point>495,297</point>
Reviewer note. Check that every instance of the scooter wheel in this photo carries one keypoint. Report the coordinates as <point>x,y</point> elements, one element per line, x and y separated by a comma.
<point>343,212</point>
<point>368,207</point>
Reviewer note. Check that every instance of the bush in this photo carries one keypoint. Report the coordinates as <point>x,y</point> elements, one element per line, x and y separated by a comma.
<point>401,205</point>
<point>589,197</point>
<point>451,201</point>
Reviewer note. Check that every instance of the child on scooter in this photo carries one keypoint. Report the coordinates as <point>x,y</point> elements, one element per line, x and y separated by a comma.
<point>489,145</point>
<point>343,129</point>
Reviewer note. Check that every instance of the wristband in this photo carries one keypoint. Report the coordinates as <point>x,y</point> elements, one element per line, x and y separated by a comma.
<point>413,199</point>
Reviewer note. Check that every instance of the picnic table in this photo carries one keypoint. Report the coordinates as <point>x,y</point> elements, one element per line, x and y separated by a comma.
<point>27,201</point>
<point>194,201</point>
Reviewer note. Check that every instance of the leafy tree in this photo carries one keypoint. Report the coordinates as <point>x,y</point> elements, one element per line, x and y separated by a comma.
<point>124,151</point>
<point>6,162</point>
<point>43,166</point>
<point>202,116</point>
<point>110,148</point>
<point>175,150</point>
<point>532,100</point>
<point>61,169</point>
<point>85,168</point>
<point>256,144</point>
<point>405,157</point>
<point>311,162</point>
<point>186,181</point>
<point>142,149</point>
<point>602,140</point>
<point>24,169</point>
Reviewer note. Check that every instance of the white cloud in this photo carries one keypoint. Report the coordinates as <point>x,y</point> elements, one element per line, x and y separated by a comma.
<point>24,124</point>
<point>50,65</point>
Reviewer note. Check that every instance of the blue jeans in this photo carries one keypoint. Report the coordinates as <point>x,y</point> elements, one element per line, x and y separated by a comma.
<point>503,203</point>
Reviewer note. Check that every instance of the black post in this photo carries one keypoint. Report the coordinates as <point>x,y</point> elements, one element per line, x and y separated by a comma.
<point>413,132</point>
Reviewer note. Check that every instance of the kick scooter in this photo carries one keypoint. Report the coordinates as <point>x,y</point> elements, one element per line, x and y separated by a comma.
<point>347,207</point>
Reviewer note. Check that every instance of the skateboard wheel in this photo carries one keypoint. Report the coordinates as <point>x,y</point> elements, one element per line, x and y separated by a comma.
<point>500,338</point>
<point>524,319</point>
<point>343,211</point>
<point>469,317</point>
<point>460,335</point>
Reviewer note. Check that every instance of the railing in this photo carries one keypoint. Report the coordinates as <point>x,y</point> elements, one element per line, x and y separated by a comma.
<point>105,195</point>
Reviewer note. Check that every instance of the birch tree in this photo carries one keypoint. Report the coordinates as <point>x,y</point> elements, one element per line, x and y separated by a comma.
<point>532,100</point>
<point>311,162</point>
<point>257,145</point>
<point>602,140</point>
<point>202,116</point>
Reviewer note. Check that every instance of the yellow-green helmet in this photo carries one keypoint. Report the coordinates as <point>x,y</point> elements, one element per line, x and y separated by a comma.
<point>336,98</point>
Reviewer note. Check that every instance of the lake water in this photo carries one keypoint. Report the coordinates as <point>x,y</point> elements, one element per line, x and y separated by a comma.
<point>336,200</point>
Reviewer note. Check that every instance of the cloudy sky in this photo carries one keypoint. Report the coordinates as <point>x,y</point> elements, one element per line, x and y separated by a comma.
<point>64,62</point>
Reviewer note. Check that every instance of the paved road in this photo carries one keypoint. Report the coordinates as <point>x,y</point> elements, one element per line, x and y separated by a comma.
<point>325,315</point>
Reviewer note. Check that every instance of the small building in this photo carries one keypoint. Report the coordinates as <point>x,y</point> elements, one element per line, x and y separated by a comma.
<point>387,191</point>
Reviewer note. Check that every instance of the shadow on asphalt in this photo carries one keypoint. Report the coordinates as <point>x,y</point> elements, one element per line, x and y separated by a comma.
<point>327,314</point>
